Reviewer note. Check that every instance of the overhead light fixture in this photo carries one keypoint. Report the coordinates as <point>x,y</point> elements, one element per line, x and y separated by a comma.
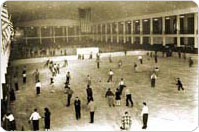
<point>181,16</point>
<point>146,20</point>
<point>136,21</point>
<point>155,19</point>
<point>129,21</point>
<point>167,18</point>
<point>45,27</point>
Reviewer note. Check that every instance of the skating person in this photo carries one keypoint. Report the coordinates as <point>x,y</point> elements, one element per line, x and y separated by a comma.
<point>65,63</point>
<point>135,67</point>
<point>69,93</point>
<point>12,95</point>
<point>11,121</point>
<point>121,86</point>
<point>68,77</point>
<point>119,63</point>
<point>16,83</point>
<point>117,97</point>
<point>36,75</point>
<point>153,79</point>
<point>92,107</point>
<point>24,75</point>
<point>179,84</point>
<point>190,62</point>
<point>156,58</point>
<point>126,121</point>
<point>91,56</point>
<point>179,54</point>
<point>156,70</point>
<point>35,116</point>
<point>58,69</point>
<point>110,59</point>
<point>110,96</point>
<point>88,80</point>
<point>110,78</point>
<point>89,92</point>
<point>151,54</point>
<point>128,97</point>
<point>140,59</point>
<point>38,87</point>
<point>144,115</point>
<point>98,60</point>
<point>77,104</point>
<point>47,115</point>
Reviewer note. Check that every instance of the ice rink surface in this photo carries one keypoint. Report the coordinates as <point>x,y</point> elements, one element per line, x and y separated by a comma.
<point>169,109</point>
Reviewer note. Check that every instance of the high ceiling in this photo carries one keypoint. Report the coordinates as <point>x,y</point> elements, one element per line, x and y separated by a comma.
<point>101,10</point>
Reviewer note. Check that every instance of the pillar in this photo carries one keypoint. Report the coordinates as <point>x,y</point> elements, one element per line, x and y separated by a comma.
<point>54,34</point>
<point>124,32</point>
<point>67,35</point>
<point>178,30</point>
<point>196,30</point>
<point>151,30</point>
<point>163,31</point>
<point>111,32</point>
<point>63,33</point>
<point>106,30</point>
<point>117,31</point>
<point>40,39</point>
<point>132,32</point>
<point>101,35</point>
<point>141,31</point>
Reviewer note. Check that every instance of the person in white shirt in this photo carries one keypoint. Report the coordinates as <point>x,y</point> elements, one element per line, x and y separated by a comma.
<point>35,120</point>
<point>128,97</point>
<point>121,86</point>
<point>140,59</point>
<point>110,78</point>
<point>11,121</point>
<point>144,114</point>
<point>92,107</point>
<point>38,86</point>
<point>153,78</point>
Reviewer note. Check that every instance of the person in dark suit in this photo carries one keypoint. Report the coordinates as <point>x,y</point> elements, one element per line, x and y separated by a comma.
<point>89,92</point>
<point>179,84</point>
<point>77,104</point>
<point>190,62</point>
<point>12,95</point>
<point>47,119</point>
<point>69,92</point>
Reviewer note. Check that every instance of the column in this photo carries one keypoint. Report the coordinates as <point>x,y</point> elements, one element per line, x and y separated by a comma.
<point>111,32</point>
<point>67,35</point>
<point>75,33</point>
<point>124,32</point>
<point>151,30</point>
<point>106,30</point>
<point>196,30</point>
<point>101,32</point>
<point>51,34</point>
<point>178,30</point>
<point>117,31</point>
<point>97,32</point>
<point>132,32</point>
<point>141,31</point>
<point>163,31</point>
<point>54,34</point>
<point>40,40</point>
<point>63,33</point>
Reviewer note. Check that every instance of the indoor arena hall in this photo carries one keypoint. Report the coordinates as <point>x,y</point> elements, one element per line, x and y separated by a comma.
<point>99,66</point>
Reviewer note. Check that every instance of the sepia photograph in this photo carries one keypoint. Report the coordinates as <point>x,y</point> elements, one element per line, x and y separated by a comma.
<point>99,65</point>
